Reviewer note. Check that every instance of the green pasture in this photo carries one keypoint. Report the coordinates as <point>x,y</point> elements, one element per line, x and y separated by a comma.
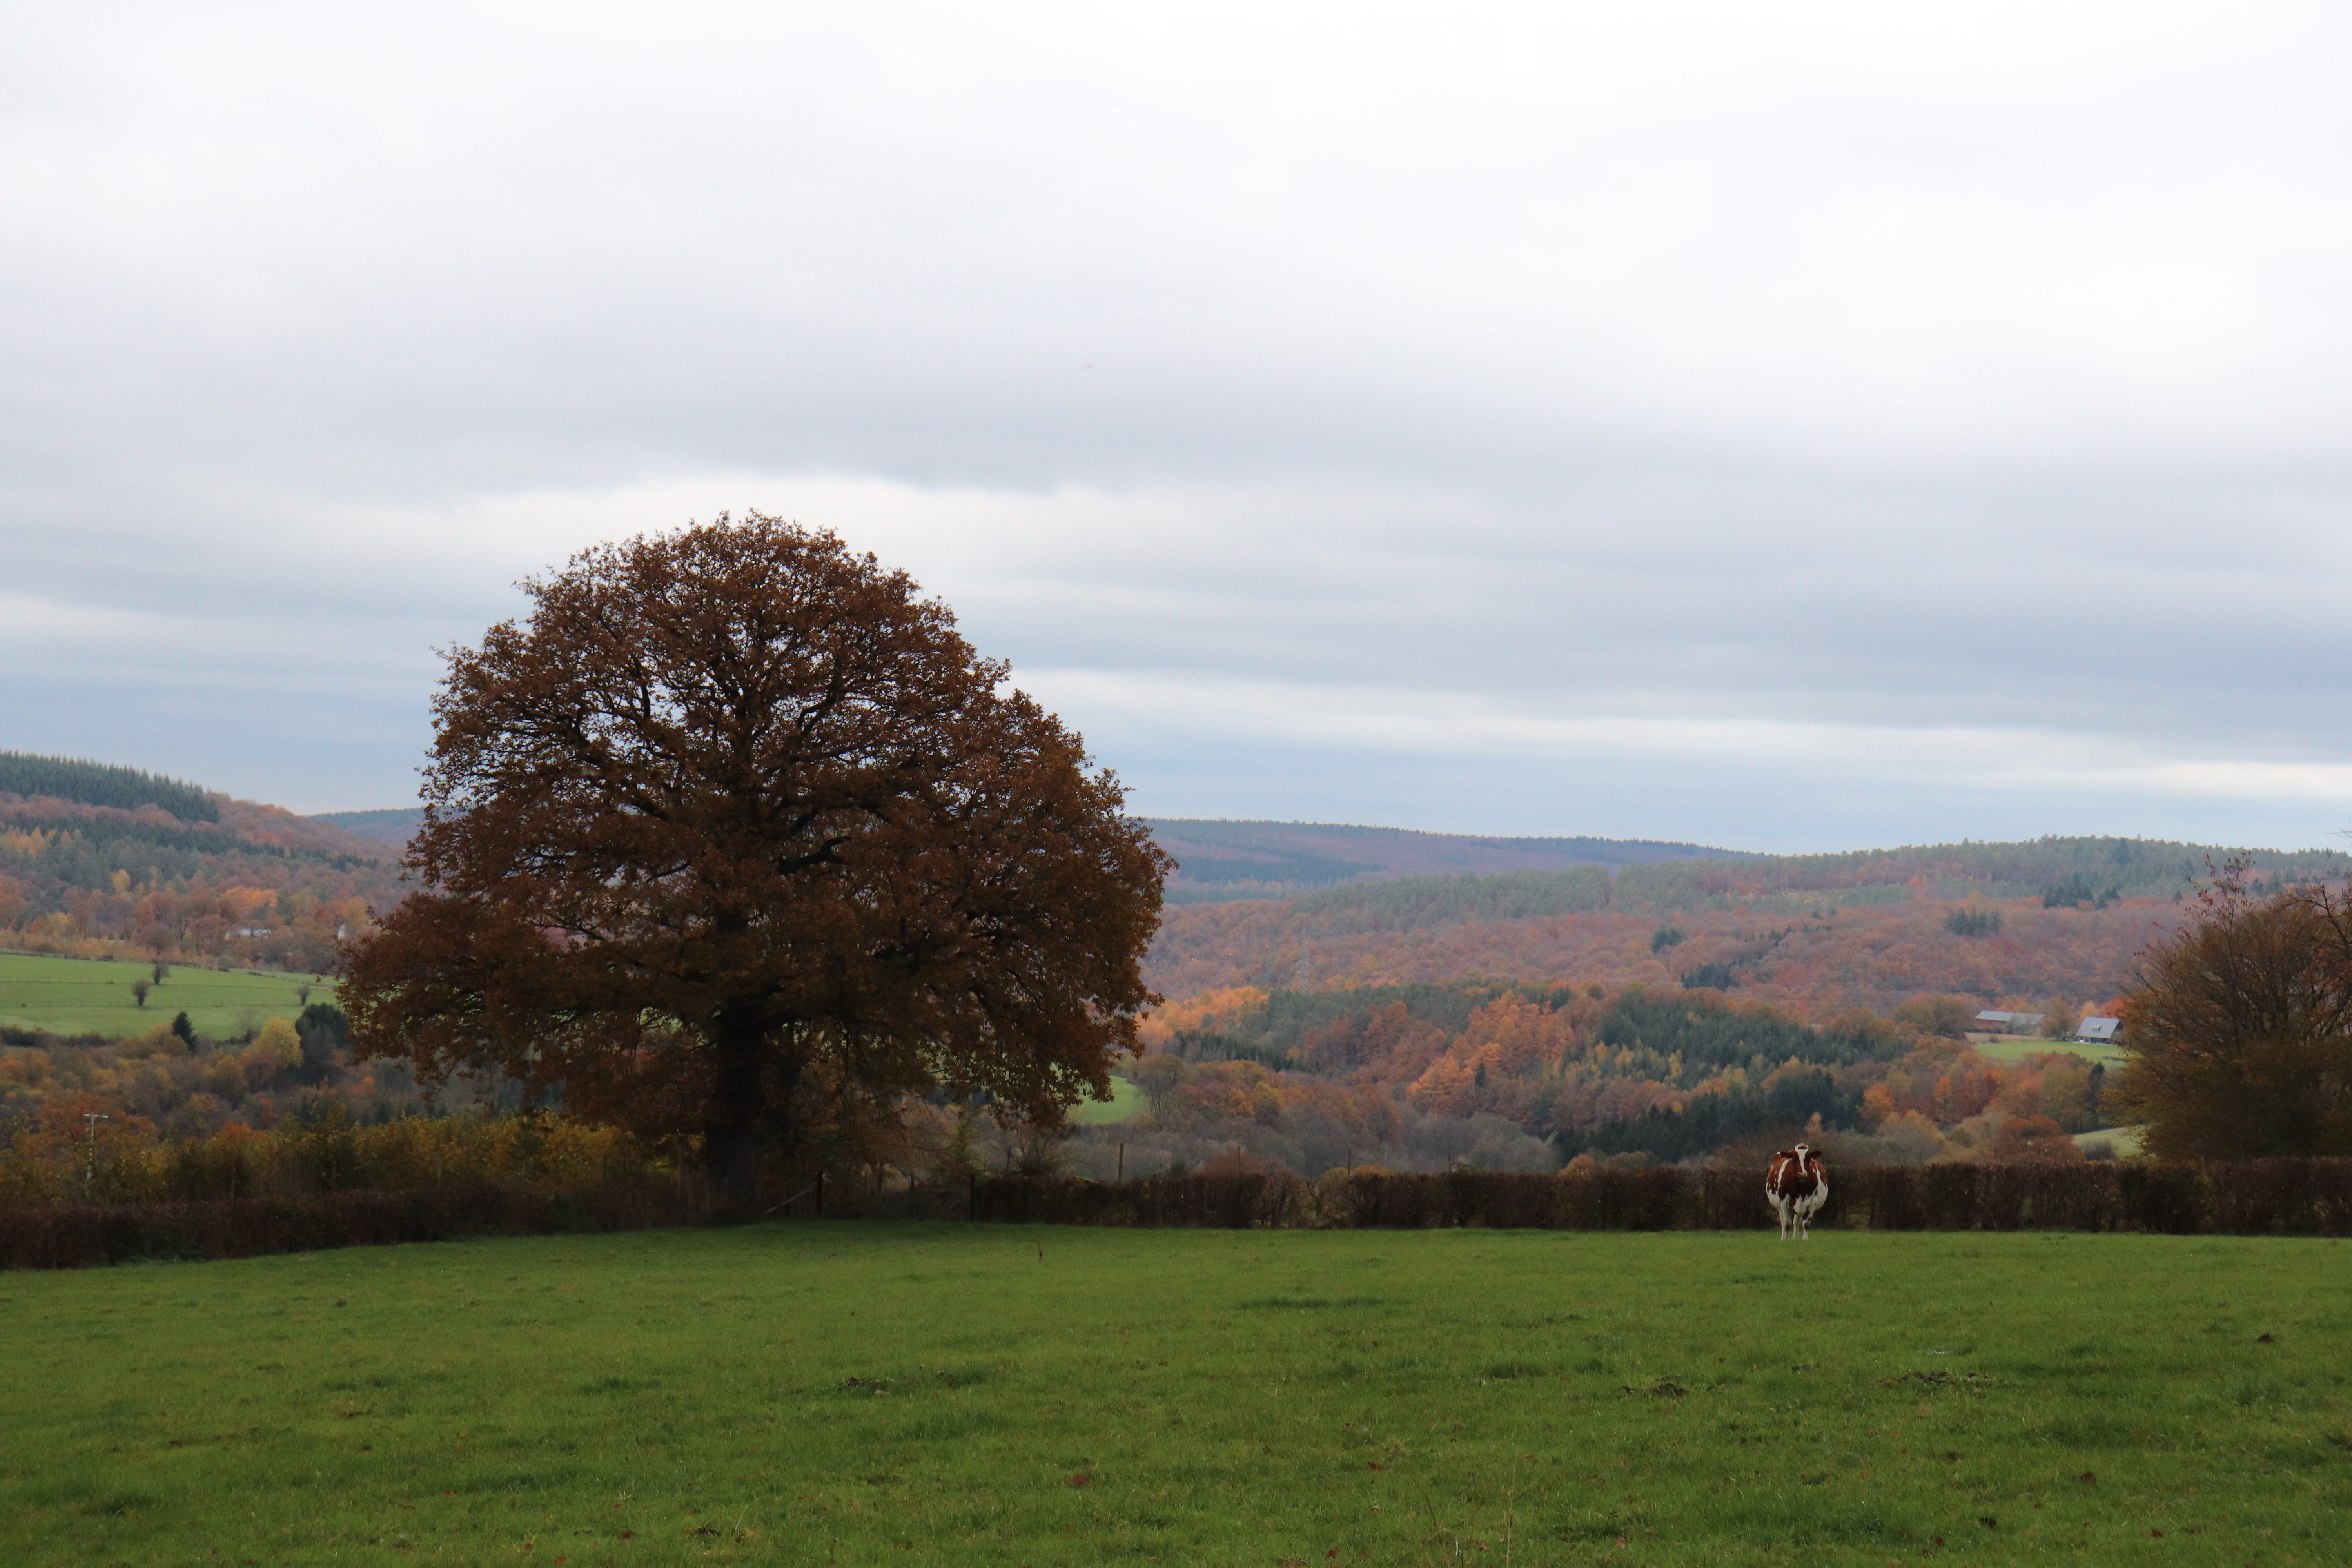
<point>2124,1141</point>
<point>970,1395</point>
<point>2016,1049</point>
<point>92,996</point>
<point>1125,1101</point>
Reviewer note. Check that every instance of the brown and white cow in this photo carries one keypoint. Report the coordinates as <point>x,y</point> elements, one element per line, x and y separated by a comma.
<point>1797,1186</point>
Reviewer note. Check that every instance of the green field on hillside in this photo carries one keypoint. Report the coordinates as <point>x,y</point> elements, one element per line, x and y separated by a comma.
<point>92,996</point>
<point>2017,1050</point>
<point>976,1394</point>
<point>2124,1141</point>
<point>1125,1101</point>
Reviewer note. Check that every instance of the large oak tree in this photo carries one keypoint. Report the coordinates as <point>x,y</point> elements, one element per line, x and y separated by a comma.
<point>735,809</point>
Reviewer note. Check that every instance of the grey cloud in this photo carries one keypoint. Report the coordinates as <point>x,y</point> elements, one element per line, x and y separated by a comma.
<point>1834,367</point>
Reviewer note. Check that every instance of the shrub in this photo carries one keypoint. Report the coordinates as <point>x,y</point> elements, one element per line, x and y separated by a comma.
<point>2236,1034</point>
<point>1947,1017</point>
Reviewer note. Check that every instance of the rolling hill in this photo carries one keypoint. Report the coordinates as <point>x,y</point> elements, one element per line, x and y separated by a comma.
<point>390,828</point>
<point>73,997</point>
<point>1218,861</point>
<point>108,862</point>
<point>1816,934</point>
<point>1505,1000</point>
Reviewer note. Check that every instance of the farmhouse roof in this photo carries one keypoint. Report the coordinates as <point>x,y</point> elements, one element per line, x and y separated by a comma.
<point>2096,1030</point>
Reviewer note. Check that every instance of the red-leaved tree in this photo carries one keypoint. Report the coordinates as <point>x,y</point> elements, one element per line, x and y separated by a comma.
<point>2238,1035</point>
<point>735,821</point>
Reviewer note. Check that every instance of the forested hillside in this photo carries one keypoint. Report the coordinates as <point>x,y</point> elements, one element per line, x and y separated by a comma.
<point>101,783</point>
<point>1525,1077</point>
<point>1578,997</point>
<point>1218,860</point>
<point>1665,1011</point>
<point>1872,957</point>
<point>391,829</point>
<point>178,873</point>
<point>1816,934</point>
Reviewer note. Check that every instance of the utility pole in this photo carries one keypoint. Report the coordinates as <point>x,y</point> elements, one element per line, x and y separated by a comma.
<point>89,1172</point>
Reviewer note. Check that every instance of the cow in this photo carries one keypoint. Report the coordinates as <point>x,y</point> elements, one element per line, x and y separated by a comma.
<point>1797,1186</point>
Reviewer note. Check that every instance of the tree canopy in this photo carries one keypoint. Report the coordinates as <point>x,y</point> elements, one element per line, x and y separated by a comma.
<point>101,784</point>
<point>736,821</point>
<point>2238,1036</point>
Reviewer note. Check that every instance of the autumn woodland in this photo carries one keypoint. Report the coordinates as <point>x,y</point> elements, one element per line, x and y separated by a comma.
<point>1565,1002</point>
<point>94,864</point>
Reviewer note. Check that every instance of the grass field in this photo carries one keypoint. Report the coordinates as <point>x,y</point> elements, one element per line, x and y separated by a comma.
<point>969,1395</point>
<point>1125,1103</point>
<point>2124,1141</point>
<point>2017,1050</point>
<point>90,996</point>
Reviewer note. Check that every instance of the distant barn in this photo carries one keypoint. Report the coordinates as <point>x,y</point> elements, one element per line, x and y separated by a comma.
<point>1993,1022</point>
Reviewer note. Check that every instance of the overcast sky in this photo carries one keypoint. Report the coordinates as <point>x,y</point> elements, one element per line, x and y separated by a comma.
<point>1781,427</point>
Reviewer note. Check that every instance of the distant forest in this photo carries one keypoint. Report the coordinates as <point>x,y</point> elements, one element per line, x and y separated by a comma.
<point>1383,879</point>
<point>88,870</point>
<point>1341,993</point>
<point>1816,933</point>
<point>1668,1009</point>
<point>1527,1076</point>
<point>99,783</point>
<point>1220,861</point>
<point>391,827</point>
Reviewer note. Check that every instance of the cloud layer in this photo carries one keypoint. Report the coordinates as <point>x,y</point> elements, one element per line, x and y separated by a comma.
<point>1802,429</point>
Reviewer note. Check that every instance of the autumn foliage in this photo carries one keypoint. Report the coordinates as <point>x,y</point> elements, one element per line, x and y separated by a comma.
<point>2239,1036</point>
<point>1810,966</point>
<point>259,886</point>
<point>737,814</point>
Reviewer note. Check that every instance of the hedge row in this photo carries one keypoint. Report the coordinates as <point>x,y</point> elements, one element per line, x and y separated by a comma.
<point>2259,1197</point>
<point>80,1236</point>
<point>1235,1202</point>
<point>550,1153</point>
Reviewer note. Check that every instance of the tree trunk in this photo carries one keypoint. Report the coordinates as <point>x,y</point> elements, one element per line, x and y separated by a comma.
<point>730,1126</point>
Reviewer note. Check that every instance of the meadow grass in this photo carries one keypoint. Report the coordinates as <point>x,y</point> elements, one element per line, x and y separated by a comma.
<point>977,1394</point>
<point>92,996</point>
<point>2128,1142</point>
<point>2106,1053</point>
<point>1126,1103</point>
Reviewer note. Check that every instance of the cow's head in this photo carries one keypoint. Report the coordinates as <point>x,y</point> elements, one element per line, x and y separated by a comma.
<point>1802,1153</point>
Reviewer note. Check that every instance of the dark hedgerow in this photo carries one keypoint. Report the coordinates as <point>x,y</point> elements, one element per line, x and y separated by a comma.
<point>2258,1198</point>
<point>81,1235</point>
<point>2274,1197</point>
